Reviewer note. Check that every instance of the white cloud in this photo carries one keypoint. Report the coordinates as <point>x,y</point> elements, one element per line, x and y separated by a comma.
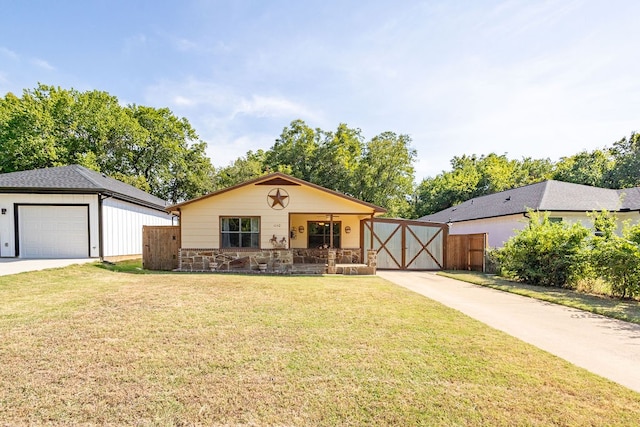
<point>185,45</point>
<point>225,102</point>
<point>41,63</point>
<point>272,106</point>
<point>231,122</point>
<point>182,101</point>
<point>9,53</point>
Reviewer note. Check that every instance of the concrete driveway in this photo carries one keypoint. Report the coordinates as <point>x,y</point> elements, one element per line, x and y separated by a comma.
<point>18,265</point>
<point>607,347</point>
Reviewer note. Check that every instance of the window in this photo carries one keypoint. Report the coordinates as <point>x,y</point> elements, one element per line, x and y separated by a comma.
<point>320,234</point>
<point>240,232</point>
<point>553,219</point>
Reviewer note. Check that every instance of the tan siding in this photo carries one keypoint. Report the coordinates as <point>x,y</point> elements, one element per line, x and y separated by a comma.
<point>201,223</point>
<point>305,199</point>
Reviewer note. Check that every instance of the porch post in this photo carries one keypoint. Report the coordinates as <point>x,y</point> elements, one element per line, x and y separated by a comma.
<point>372,234</point>
<point>331,231</point>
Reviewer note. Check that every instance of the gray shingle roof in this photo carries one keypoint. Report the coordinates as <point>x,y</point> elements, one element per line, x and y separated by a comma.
<point>75,179</point>
<point>543,196</point>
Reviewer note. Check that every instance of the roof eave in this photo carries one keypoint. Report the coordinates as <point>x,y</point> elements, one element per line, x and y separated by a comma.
<point>96,191</point>
<point>376,209</point>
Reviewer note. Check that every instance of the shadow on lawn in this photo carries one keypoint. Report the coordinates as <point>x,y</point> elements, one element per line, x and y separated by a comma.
<point>133,266</point>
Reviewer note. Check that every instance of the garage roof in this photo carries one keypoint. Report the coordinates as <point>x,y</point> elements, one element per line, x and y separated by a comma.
<point>75,179</point>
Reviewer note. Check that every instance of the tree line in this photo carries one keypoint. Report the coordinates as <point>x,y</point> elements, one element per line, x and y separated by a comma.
<point>149,148</point>
<point>158,152</point>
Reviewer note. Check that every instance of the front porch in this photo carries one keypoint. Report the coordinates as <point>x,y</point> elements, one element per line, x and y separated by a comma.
<point>278,261</point>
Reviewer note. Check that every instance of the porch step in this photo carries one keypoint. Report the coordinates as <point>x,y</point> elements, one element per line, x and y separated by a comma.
<point>354,269</point>
<point>308,269</point>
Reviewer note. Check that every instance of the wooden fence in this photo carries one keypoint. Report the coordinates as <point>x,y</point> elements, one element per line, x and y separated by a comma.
<point>160,246</point>
<point>466,252</point>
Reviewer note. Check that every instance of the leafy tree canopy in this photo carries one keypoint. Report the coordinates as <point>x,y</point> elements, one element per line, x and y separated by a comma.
<point>473,176</point>
<point>626,170</point>
<point>378,171</point>
<point>147,147</point>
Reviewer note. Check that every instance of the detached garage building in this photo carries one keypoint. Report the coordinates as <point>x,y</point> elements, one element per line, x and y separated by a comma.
<point>73,212</point>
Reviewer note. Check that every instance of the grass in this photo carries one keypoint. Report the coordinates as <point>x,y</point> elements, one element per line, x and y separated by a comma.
<point>102,346</point>
<point>628,310</point>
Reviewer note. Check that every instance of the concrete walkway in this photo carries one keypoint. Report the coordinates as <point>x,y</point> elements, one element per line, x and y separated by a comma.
<point>18,265</point>
<point>607,347</point>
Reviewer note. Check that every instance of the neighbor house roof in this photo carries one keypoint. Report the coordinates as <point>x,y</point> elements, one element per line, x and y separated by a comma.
<point>75,179</point>
<point>278,178</point>
<point>543,196</point>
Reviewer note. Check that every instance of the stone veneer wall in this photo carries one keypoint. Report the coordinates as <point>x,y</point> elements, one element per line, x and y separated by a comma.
<point>193,259</point>
<point>276,260</point>
<point>319,256</point>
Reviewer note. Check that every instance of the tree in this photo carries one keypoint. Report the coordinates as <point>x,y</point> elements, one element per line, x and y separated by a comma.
<point>295,151</point>
<point>626,154</point>
<point>588,168</point>
<point>149,148</point>
<point>385,174</point>
<point>472,176</point>
<point>379,171</point>
<point>338,157</point>
<point>28,130</point>
<point>244,168</point>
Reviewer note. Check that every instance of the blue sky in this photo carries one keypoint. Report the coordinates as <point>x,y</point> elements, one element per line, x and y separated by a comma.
<point>526,78</point>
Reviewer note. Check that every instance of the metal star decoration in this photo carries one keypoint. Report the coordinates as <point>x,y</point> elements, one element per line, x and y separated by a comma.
<point>278,199</point>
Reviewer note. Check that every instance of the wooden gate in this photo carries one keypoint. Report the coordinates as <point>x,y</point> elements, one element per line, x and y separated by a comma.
<point>466,251</point>
<point>160,246</point>
<point>405,244</point>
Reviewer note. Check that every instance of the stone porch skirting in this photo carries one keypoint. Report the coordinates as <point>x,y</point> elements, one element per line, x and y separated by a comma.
<point>283,261</point>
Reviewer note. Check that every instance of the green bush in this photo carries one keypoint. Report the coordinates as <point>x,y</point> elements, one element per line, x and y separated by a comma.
<point>546,253</point>
<point>617,260</point>
<point>492,261</point>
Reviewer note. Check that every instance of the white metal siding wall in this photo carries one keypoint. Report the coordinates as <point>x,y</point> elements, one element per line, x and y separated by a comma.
<point>122,226</point>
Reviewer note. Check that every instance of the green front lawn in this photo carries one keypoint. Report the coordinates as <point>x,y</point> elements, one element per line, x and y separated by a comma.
<point>86,345</point>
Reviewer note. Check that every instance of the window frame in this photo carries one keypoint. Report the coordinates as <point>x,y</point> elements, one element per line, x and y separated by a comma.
<point>336,235</point>
<point>240,233</point>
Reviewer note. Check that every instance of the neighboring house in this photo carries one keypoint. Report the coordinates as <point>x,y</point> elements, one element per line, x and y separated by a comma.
<point>73,212</point>
<point>501,214</point>
<point>273,216</point>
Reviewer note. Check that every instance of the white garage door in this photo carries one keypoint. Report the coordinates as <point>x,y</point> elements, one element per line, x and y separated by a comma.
<point>54,231</point>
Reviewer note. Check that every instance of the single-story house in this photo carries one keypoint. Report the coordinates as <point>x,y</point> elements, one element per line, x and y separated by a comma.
<point>501,214</point>
<point>73,212</point>
<point>272,222</point>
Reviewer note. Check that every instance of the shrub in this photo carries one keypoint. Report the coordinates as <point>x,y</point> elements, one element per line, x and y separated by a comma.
<point>545,253</point>
<point>617,260</point>
<point>492,261</point>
